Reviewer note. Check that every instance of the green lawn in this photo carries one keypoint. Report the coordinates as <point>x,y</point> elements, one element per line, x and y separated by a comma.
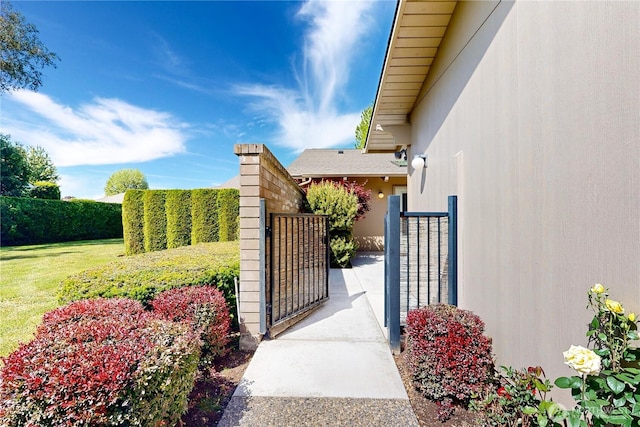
<point>29,280</point>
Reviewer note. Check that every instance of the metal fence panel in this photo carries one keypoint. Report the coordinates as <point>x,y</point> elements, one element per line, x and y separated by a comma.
<point>424,269</point>
<point>298,267</point>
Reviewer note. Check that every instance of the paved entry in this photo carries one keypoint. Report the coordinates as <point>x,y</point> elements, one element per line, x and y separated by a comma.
<point>297,268</point>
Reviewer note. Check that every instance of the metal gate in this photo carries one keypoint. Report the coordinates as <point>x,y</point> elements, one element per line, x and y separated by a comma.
<point>421,263</point>
<point>297,268</point>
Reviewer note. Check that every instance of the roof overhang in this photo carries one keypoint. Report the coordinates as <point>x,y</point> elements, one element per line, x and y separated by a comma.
<point>417,32</point>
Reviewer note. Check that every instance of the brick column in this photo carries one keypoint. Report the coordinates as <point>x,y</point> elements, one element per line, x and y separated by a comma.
<point>249,297</point>
<point>261,177</point>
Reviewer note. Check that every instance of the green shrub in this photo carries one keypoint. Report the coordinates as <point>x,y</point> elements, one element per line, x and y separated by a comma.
<point>228,213</point>
<point>335,201</point>
<point>343,250</point>
<point>133,222</point>
<point>204,216</point>
<point>142,277</point>
<point>155,220</point>
<point>45,190</point>
<point>178,207</point>
<point>27,221</point>
<point>341,205</point>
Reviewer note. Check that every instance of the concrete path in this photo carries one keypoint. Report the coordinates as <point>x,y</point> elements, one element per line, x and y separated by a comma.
<point>332,369</point>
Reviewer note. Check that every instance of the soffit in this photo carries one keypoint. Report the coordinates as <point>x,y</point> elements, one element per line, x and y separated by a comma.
<point>417,32</point>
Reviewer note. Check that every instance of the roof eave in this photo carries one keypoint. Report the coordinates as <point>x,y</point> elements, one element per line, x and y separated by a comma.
<point>416,34</point>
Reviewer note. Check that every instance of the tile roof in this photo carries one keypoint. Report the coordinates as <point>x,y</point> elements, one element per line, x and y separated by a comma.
<point>316,163</point>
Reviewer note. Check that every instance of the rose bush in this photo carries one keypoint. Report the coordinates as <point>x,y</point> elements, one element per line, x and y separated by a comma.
<point>582,360</point>
<point>608,389</point>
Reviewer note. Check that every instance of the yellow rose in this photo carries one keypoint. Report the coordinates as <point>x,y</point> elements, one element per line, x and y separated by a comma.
<point>614,306</point>
<point>582,360</point>
<point>597,288</point>
<point>632,317</point>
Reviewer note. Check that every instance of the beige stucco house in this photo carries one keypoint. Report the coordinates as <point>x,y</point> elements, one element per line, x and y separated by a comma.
<point>381,173</point>
<point>530,113</point>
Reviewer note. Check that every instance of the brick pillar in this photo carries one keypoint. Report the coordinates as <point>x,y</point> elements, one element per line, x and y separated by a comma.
<point>249,297</point>
<point>261,177</point>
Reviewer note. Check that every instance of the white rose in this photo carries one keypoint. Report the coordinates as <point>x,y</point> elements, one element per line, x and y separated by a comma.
<point>582,360</point>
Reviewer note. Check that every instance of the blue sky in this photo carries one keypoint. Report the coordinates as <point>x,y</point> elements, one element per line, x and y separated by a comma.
<point>170,87</point>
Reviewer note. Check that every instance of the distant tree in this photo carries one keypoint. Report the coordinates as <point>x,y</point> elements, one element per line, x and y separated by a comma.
<point>14,169</point>
<point>125,179</point>
<point>363,127</point>
<point>22,54</point>
<point>41,167</point>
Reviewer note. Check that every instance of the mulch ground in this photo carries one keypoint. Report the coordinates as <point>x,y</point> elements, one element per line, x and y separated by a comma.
<point>426,411</point>
<point>214,388</point>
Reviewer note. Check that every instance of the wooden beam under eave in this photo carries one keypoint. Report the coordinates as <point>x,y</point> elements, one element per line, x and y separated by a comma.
<point>425,20</point>
<point>414,52</point>
<point>430,7</point>
<point>404,78</point>
<point>418,42</point>
<point>406,31</point>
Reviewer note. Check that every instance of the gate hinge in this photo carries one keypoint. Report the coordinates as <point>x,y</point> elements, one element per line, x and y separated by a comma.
<point>267,231</point>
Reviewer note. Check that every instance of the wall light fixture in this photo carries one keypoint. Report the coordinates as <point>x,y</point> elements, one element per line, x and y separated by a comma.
<point>419,161</point>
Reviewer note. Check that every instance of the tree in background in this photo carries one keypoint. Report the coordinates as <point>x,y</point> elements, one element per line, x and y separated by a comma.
<point>363,128</point>
<point>125,179</point>
<point>22,54</point>
<point>27,173</point>
<point>14,169</point>
<point>41,167</point>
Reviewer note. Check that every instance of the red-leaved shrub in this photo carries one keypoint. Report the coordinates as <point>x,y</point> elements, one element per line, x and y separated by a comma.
<point>101,362</point>
<point>205,309</point>
<point>449,357</point>
<point>128,311</point>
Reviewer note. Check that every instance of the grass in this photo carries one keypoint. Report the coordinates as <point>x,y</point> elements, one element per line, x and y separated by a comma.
<point>30,277</point>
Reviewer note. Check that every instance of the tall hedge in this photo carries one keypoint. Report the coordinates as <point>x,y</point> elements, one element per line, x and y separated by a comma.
<point>178,207</point>
<point>228,214</point>
<point>155,221</point>
<point>28,221</point>
<point>204,215</point>
<point>133,222</point>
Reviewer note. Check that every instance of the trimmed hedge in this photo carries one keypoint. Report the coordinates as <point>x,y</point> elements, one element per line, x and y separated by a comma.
<point>133,222</point>
<point>174,218</point>
<point>204,216</point>
<point>178,207</point>
<point>45,190</point>
<point>100,362</point>
<point>155,220</point>
<point>142,277</point>
<point>228,214</point>
<point>28,221</point>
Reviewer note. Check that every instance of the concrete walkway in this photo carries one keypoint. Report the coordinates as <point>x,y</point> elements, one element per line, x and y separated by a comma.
<point>332,369</point>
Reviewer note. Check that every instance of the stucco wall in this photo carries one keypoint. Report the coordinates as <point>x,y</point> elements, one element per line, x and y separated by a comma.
<point>369,231</point>
<point>532,117</point>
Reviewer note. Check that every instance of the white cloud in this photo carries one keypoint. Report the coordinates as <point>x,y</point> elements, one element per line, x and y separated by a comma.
<point>106,131</point>
<point>308,116</point>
